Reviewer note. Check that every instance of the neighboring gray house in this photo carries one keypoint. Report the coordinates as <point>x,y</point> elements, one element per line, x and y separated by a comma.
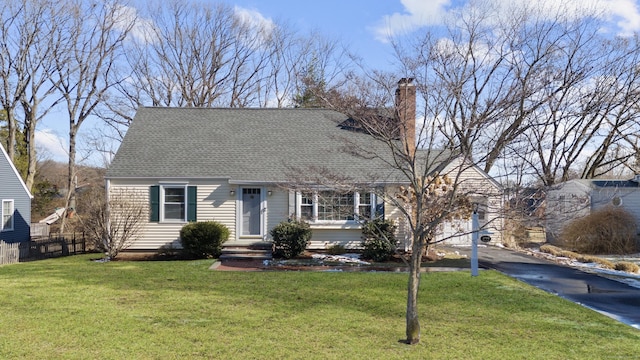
<point>251,169</point>
<point>15,203</point>
<point>578,198</point>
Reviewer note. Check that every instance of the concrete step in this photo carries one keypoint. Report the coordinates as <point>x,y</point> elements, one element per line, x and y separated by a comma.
<point>258,245</point>
<point>246,256</point>
<point>249,252</point>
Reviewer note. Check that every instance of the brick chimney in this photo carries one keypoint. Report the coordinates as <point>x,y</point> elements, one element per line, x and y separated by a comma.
<point>406,109</point>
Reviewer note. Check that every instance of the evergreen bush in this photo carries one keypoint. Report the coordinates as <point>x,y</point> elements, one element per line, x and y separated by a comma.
<point>290,238</point>
<point>379,239</point>
<point>201,240</point>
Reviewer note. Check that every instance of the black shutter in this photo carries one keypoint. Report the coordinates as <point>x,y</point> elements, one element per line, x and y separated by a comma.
<point>192,201</point>
<point>154,203</point>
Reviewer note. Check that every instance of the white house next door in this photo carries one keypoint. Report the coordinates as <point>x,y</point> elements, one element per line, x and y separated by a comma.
<point>251,212</point>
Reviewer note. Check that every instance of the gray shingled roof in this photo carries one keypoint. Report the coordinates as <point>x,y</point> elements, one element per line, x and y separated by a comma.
<point>267,145</point>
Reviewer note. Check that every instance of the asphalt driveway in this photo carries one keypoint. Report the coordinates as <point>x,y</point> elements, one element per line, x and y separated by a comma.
<point>610,297</point>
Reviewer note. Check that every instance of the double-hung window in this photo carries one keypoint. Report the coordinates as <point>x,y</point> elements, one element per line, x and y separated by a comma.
<point>326,206</point>
<point>306,206</point>
<point>173,203</point>
<point>7,215</point>
<point>365,208</point>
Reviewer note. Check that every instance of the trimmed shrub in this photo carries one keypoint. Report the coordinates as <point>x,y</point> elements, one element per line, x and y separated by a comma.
<point>378,240</point>
<point>290,238</point>
<point>201,240</point>
<point>610,230</point>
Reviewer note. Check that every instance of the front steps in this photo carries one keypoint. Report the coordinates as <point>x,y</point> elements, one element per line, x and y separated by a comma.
<point>239,251</point>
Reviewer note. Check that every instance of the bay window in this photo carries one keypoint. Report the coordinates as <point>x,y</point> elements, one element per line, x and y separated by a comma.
<point>326,206</point>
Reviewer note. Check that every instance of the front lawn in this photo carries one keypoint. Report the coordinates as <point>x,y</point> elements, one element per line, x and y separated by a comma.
<point>73,308</point>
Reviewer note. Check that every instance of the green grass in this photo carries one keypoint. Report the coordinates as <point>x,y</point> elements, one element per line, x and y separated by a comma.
<point>72,308</point>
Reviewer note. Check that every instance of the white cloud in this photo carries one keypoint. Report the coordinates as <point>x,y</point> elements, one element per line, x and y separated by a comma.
<point>417,13</point>
<point>51,146</point>
<point>254,20</point>
<point>624,15</point>
<point>126,17</point>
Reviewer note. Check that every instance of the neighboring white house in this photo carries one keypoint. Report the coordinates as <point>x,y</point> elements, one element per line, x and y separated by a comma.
<point>578,198</point>
<point>251,169</point>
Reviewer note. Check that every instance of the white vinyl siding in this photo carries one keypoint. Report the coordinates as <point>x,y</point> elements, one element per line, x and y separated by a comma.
<point>483,191</point>
<point>324,238</point>
<point>213,201</point>
<point>277,209</point>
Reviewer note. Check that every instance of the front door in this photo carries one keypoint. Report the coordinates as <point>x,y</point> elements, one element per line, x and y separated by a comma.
<point>251,212</point>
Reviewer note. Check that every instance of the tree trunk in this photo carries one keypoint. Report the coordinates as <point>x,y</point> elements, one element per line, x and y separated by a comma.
<point>70,198</point>
<point>413,324</point>
<point>30,137</point>
<point>11,139</point>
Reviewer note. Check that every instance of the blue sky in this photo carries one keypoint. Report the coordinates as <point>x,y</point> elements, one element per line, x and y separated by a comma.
<point>354,22</point>
<point>363,25</point>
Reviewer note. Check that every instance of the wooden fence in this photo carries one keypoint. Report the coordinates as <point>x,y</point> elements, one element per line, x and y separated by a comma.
<point>9,253</point>
<point>43,247</point>
<point>56,246</point>
<point>39,229</point>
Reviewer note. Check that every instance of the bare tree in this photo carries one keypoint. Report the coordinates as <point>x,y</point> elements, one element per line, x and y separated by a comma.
<point>13,83</point>
<point>197,55</point>
<point>93,34</point>
<point>28,40</point>
<point>542,88</point>
<point>430,185</point>
<point>113,224</point>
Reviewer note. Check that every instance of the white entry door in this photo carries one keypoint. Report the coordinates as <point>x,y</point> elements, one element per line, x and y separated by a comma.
<point>251,212</point>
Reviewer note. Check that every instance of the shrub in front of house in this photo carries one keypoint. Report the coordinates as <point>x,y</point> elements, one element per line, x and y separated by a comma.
<point>201,240</point>
<point>379,241</point>
<point>290,238</point>
<point>610,230</point>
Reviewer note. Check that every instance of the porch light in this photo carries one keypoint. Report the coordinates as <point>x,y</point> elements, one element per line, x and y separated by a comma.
<point>269,192</point>
<point>232,192</point>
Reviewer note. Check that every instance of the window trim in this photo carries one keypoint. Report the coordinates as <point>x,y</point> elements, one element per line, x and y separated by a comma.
<point>12,211</point>
<point>163,202</point>
<point>157,203</point>
<point>356,207</point>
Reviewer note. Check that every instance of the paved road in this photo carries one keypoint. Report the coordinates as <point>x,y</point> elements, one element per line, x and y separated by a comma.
<point>612,298</point>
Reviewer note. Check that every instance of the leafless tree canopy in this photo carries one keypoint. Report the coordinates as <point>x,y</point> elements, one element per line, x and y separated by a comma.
<point>541,91</point>
<point>113,224</point>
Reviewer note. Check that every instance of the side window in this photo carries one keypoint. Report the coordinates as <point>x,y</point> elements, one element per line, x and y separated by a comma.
<point>7,215</point>
<point>172,203</point>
